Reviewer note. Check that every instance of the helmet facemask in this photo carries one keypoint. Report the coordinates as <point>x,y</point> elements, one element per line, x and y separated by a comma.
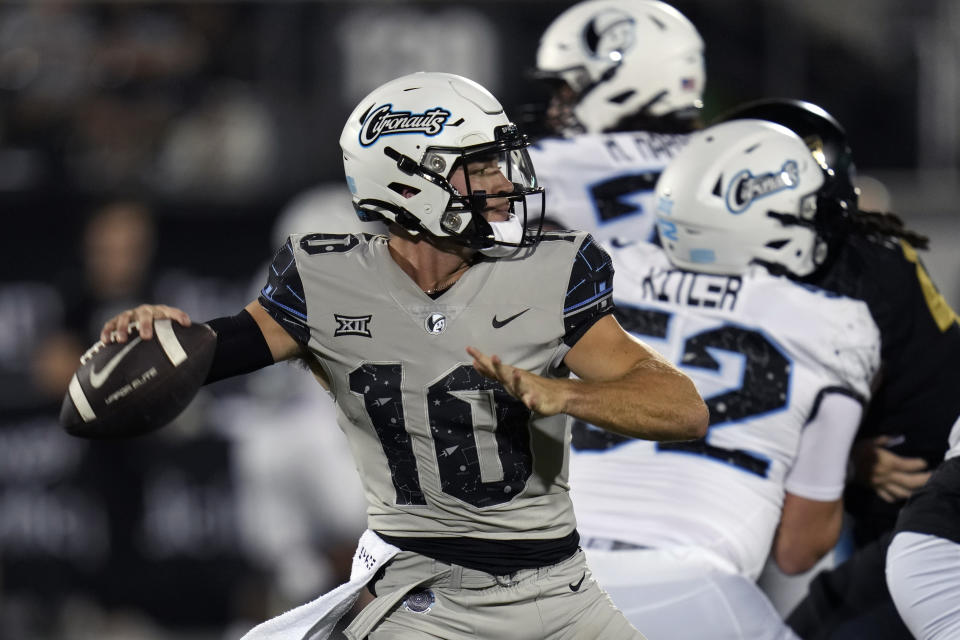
<point>560,117</point>
<point>812,245</point>
<point>464,220</point>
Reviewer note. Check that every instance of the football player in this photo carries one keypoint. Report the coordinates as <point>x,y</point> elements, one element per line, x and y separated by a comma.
<point>873,257</point>
<point>923,561</point>
<point>463,455</point>
<point>627,79</point>
<point>677,533</point>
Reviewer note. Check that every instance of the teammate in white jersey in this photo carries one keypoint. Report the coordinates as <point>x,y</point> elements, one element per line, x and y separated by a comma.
<point>874,257</point>
<point>678,532</point>
<point>463,457</point>
<point>628,79</point>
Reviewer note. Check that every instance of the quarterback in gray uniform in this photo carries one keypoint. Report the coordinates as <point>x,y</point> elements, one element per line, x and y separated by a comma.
<point>463,455</point>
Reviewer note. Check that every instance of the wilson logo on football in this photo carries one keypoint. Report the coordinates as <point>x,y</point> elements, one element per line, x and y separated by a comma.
<point>746,187</point>
<point>384,121</point>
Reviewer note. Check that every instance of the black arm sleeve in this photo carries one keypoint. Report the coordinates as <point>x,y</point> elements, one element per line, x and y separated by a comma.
<point>241,347</point>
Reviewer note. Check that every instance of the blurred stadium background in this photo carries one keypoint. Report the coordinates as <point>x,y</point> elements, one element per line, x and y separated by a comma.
<point>208,130</point>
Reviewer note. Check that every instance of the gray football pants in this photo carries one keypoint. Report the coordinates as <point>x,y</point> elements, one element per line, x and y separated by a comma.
<point>421,598</point>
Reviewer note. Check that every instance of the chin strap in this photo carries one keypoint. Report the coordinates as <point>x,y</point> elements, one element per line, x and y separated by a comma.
<point>507,237</point>
<point>401,216</point>
<point>775,268</point>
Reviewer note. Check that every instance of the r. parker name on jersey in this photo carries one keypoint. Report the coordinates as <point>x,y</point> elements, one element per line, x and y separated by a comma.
<point>647,146</point>
<point>692,289</point>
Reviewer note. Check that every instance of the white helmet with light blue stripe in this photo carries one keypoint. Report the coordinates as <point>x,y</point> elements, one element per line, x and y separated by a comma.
<point>739,193</point>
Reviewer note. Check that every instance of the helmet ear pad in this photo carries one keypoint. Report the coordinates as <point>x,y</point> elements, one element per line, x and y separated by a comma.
<point>740,193</point>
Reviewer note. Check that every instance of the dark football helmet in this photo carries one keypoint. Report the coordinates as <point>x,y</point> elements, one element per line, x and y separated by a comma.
<point>838,211</point>
<point>825,137</point>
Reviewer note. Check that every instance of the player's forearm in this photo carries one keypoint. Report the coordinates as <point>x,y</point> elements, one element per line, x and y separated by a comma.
<point>795,556</point>
<point>653,401</point>
<point>808,530</point>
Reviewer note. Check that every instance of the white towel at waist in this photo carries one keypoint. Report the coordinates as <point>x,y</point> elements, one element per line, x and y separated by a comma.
<point>316,619</point>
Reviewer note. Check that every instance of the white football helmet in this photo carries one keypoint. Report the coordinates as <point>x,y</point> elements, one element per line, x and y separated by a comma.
<point>403,141</point>
<point>622,58</point>
<point>741,192</point>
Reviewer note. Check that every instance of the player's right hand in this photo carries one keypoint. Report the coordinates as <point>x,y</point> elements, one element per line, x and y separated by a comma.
<point>542,395</point>
<point>117,328</point>
<point>893,477</point>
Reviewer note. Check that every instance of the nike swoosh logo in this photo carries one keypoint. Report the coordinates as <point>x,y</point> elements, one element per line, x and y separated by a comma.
<point>499,323</point>
<point>576,587</point>
<point>97,378</point>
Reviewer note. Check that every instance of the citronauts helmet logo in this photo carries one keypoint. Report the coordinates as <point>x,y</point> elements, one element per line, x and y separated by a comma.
<point>746,187</point>
<point>384,121</point>
<point>609,35</point>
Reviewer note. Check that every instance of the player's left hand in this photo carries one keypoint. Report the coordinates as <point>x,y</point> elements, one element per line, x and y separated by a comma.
<point>543,395</point>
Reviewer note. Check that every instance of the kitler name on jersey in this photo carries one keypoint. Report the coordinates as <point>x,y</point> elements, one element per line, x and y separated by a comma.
<point>692,289</point>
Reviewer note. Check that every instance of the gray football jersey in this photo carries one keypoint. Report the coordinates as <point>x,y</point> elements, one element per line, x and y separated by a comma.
<point>441,450</point>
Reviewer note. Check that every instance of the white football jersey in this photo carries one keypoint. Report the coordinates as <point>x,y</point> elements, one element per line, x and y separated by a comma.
<point>604,183</point>
<point>767,354</point>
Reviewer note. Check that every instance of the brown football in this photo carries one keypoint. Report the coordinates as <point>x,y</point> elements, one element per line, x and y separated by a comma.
<point>131,388</point>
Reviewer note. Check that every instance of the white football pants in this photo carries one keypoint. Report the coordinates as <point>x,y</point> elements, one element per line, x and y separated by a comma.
<point>684,594</point>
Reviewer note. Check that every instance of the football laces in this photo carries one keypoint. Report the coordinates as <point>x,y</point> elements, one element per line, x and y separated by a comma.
<point>93,350</point>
